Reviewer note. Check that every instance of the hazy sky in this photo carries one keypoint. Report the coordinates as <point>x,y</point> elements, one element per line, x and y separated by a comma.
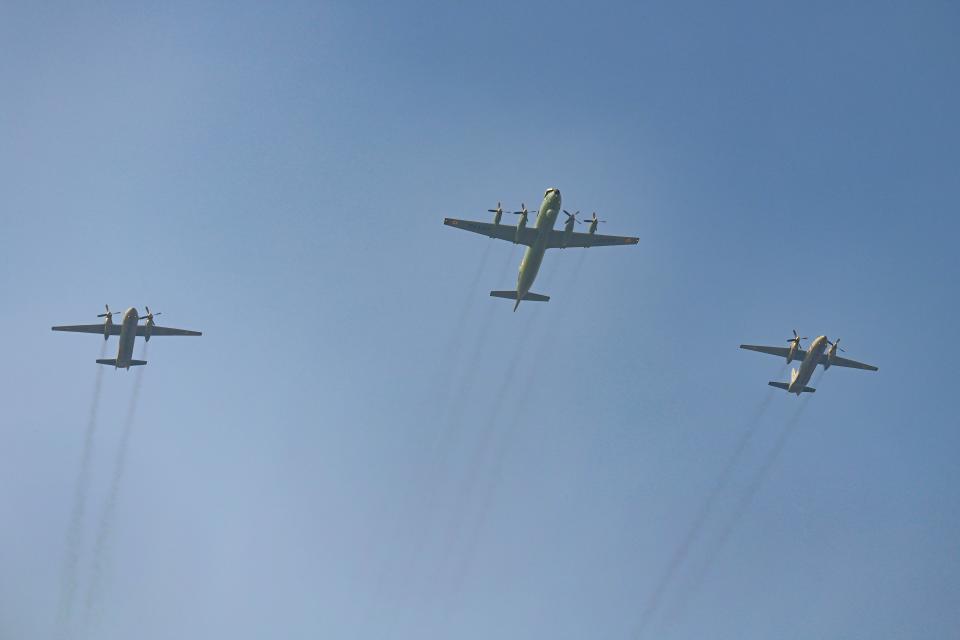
<point>363,444</point>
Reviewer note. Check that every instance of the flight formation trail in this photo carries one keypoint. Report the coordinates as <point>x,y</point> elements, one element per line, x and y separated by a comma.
<point>461,393</point>
<point>105,532</point>
<point>488,491</point>
<point>503,434</point>
<point>497,439</point>
<point>455,342</point>
<point>489,433</point>
<point>746,499</point>
<point>74,542</point>
<point>700,519</point>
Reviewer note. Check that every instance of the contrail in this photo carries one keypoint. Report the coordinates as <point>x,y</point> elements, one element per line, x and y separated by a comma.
<point>683,549</point>
<point>451,420</point>
<point>746,499</point>
<point>457,394</point>
<point>495,438</point>
<point>488,434</point>
<point>106,521</point>
<point>455,343</point>
<point>68,587</point>
<point>503,435</point>
<point>504,438</point>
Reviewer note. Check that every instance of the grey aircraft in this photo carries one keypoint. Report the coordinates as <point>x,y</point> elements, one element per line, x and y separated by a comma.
<point>538,239</point>
<point>128,329</point>
<point>809,359</point>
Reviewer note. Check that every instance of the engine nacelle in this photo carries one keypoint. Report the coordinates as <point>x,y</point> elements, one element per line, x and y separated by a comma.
<point>831,355</point>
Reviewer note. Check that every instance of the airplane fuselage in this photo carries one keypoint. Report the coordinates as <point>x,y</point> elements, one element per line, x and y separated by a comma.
<point>128,333</point>
<point>809,365</point>
<point>533,256</point>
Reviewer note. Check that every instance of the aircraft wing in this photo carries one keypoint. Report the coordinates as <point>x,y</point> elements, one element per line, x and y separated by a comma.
<point>88,328</point>
<point>528,235</point>
<point>776,351</point>
<point>165,331</point>
<point>846,362</point>
<point>555,241</point>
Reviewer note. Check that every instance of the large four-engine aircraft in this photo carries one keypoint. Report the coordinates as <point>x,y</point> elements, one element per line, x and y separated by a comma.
<point>809,360</point>
<point>128,330</point>
<point>538,239</point>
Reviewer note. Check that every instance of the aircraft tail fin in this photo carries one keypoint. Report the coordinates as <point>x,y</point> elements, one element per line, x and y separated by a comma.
<point>512,295</point>
<point>113,361</point>
<point>786,387</point>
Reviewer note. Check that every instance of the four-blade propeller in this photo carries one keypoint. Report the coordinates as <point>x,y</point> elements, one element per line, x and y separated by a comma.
<point>108,315</point>
<point>149,316</point>
<point>593,222</point>
<point>796,338</point>
<point>835,346</point>
<point>523,211</point>
<point>572,216</point>
<point>594,218</point>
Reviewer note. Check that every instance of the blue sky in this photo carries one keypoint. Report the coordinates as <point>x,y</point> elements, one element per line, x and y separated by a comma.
<point>363,444</point>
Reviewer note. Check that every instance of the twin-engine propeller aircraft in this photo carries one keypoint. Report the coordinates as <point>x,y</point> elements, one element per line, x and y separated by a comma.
<point>128,329</point>
<point>538,239</point>
<point>809,359</point>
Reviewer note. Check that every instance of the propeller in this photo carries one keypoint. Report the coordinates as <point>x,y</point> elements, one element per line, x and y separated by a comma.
<point>498,210</point>
<point>796,338</point>
<point>836,345</point>
<point>594,220</point>
<point>523,210</point>
<point>108,315</point>
<point>150,315</point>
<point>572,216</point>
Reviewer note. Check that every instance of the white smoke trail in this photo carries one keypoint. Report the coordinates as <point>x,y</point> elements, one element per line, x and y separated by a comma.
<point>74,542</point>
<point>105,532</point>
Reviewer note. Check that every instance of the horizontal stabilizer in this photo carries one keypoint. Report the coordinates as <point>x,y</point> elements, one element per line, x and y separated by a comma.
<point>786,387</point>
<point>512,295</point>
<point>113,361</point>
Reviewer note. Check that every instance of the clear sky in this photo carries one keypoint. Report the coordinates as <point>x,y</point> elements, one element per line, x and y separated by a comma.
<point>363,444</point>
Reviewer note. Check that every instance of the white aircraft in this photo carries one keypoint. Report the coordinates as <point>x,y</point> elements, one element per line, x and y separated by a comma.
<point>128,330</point>
<point>809,360</point>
